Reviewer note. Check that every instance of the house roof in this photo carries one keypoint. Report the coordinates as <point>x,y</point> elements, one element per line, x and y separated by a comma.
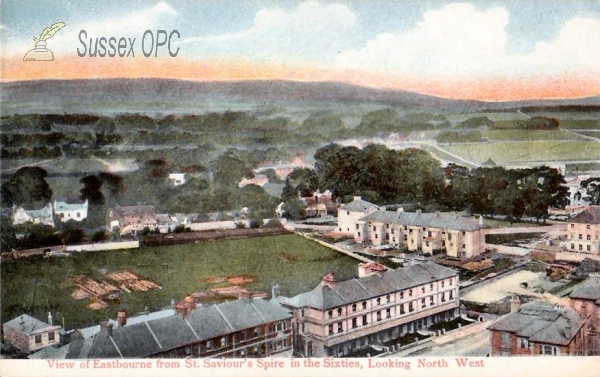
<point>542,323</point>
<point>357,205</point>
<point>349,291</point>
<point>28,325</point>
<point>590,290</point>
<point>64,206</point>
<point>590,216</point>
<point>155,335</point>
<point>130,210</point>
<point>434,220</point>
<point>39,213</point>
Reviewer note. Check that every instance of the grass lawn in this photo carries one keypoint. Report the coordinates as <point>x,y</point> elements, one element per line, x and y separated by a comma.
<point>515,152</point>
<point>493,223</point>
<point>179,269</point>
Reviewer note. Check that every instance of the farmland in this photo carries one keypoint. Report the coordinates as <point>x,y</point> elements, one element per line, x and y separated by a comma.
<point>40,285</point>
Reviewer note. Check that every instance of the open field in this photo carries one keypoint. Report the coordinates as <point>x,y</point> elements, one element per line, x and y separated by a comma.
<point>525,135</point>
<point>515,152</point>
<point>180,270</point>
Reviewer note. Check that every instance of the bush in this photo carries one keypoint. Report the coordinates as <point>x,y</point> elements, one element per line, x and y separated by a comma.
<point>273,223</point>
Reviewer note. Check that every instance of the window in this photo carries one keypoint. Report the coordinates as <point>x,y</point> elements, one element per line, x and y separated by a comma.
<point>353,307</point>
<point>302,312</point>
<point>357,226</point>
<point>505,338</point>
<point>330,329</point>
<point>78,215</point>
<point>443,296</point>
<point>38,339</point>
<point>449,281</point>
<point>464,233</point>
<point>573,246</point>
<point>423,303</point>
<point>387,298</point>
<point>364,304</point>
<point>376,236</point>
<point>430,300</point>
<point>549,350</point>
<point>449,236</point>
<point>405,227</point>
<point>580,236</point>
<point>340,329</point>
<point>572,226</point>
<point>426,243</point>
<point>359,234</point>
<point>209,344</point>
<point>410,307</point>
<point>224,341</point>
<point>374,229</point>
<point>463,246</point>
<point>188,351</point>
<point>392,230</point>
<point>410,292</point>
<point>62,215</point>
<point>51,336</point>
<point>442,284</point>
<point>378,300</point>
<point>379,315</point>
<point>589,237</point>
<point>402,309</point>
<point>387,226</point>
<point>423,289</point>
<point>588,226</point>
<point>401,295</point>
<point>303,328</point>
<point>364,320</point>
<point>354,323</point>
<point>523,343</point>
<point>451,295</point>
<point>430,287</point>
<point>589,248</point>
<point>580,247</point>
<point>388,313</point>
<point>330,313</point>
<point>347,212</point>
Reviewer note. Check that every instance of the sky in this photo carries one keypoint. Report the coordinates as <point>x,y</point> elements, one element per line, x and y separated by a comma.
<point>483,49</point>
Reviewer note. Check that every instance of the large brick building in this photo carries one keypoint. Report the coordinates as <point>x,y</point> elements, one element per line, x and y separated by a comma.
<point>586,300</point>
<point>240,329</point>
<point>336,318</point>
<point>583,232</point>
<point>450,234</point>
<point>539,329</point>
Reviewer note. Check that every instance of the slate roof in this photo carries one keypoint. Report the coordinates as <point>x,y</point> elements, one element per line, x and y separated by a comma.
<point>161,334</point>
<point>39,213</point>
<point>590,290</point>
<point>130,210</point>
<point>357,205</point>
<point>542,323</point>
<point>64,206</point>
<point>434,220</point>
<point>324,297</point>
<point>28,325</point>
<point>590,216</point>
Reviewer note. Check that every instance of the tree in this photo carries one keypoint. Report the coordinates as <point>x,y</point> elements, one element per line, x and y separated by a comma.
<point>305,180</point>
<point>591,186</point>
<point>294,209</point>
<point>27,188</point>
<point>91,190</point>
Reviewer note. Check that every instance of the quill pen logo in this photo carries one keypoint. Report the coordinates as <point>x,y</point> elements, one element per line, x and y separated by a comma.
<point>40,52</point>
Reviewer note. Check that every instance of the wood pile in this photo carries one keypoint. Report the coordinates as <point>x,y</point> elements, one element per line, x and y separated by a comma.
<point>94,287</point>
<point>80,294</point>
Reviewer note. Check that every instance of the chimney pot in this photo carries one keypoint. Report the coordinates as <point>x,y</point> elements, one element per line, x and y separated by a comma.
<point>330,279</point>
<point>122,318</point>
<point>50,318</point>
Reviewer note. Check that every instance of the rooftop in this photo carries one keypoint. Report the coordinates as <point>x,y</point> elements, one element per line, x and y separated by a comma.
<point>152,335</point>
<point>434,220</point>
<point>542,323</point>
<point>589,290</point>
<point>28,325</point>
<point>358,205</point>
<point>324,296</point>
<point>589,216</point>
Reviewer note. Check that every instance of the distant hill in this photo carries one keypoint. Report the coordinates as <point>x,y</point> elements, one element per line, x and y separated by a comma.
<point>58,94</point>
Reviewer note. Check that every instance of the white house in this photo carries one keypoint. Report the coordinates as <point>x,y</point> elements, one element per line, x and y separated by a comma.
<point>348,214</point>
<point>29,334</point>
<point>35,216</point>
<point>66,211</point>
<point>177,179</point>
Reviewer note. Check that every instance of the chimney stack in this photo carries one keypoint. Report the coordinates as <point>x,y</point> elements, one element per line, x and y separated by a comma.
<point>122,318</point>
<point>50,318</point>
<point>330,280</point>
<point>106,328</point>
<point>515,304</point>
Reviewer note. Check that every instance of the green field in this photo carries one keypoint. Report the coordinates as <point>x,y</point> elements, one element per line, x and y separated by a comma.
<point>525,135</point>
<point>522,152</point>
<point>180,270</point>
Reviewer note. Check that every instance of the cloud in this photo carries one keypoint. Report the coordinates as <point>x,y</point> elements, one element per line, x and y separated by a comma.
<point>132,24</point>
<point>459,40</point>
<point>311,32</point>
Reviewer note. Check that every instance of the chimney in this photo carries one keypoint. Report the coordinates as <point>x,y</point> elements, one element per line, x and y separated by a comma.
<point>480,220</point>
<point>275,291</point>
<point>122,318</point>
<point>50,318</point>
<point>515,304</point>
<point>357,198</point>
<point>106,328</point>
<point>330,280</point>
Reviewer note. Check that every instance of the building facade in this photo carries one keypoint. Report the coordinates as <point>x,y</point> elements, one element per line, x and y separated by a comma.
<point>539,329</point>
<point>43,216</point>
<point>586,301</point>
<point>240,329</point>
<point>28,334</point>
<point>349,213</point>
<point>583,232</point>
<point>71,211</point>
<point>132,219</point>
<point>450,234</point>
<point>336,318</point>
